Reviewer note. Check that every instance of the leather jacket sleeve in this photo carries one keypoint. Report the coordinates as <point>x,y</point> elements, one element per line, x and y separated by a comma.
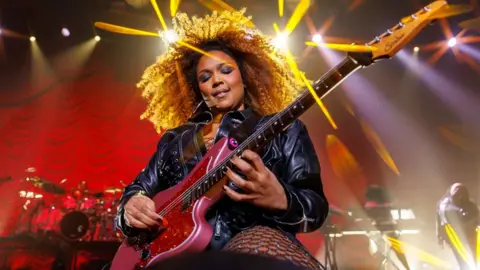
<point>307,205</point>
<point>148,182</point>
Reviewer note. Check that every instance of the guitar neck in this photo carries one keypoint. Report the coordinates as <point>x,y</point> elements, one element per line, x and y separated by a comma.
<point>284,118</point>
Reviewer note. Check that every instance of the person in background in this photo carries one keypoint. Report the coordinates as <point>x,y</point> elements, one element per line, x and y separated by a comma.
<point>458,220</point>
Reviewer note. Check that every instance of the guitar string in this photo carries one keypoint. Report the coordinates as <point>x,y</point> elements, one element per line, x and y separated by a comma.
<point>188,192</point>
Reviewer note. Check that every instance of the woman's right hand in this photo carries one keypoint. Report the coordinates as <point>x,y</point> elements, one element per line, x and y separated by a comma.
<point>140,213</point>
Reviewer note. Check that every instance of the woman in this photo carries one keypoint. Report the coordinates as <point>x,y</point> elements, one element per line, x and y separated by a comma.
<point>234,74</point>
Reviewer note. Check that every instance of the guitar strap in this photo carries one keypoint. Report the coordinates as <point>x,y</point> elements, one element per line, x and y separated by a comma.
<point>245,129</point>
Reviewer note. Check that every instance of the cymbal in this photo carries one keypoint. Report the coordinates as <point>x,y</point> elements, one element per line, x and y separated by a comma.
<point>113,190</point>
<point>46,186</point>
<point>472,24</point>
<point>342,47</point>
<point>451,10</point>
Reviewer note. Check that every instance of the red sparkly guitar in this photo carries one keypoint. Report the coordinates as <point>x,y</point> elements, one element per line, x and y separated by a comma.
<point>184,206</point>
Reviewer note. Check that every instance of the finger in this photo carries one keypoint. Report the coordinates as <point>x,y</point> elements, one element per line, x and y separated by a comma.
<point>152,215</point>
<point>142,217</point>
<point>237,196</point>
<point>239,181</point>
<point>150,210</point>
<point>138,224</point>
<point>255,159</point>
<point>134,223</point>
<point>246,168</point>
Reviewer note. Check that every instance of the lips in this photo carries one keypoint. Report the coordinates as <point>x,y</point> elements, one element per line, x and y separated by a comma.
<point>220,93</point>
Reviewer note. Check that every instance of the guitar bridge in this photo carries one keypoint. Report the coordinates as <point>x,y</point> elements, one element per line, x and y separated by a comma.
<point>142,240</point>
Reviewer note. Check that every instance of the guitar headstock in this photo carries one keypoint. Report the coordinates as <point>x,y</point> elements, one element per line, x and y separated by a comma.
<point>394,39</point>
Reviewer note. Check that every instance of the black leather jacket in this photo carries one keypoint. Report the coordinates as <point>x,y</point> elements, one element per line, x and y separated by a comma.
<point>290,156</point>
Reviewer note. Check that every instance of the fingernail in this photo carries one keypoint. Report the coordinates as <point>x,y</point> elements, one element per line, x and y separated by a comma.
<point>224,188</point>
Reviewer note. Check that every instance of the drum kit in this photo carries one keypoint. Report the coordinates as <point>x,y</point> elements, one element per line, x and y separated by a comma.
<point>74,214</point>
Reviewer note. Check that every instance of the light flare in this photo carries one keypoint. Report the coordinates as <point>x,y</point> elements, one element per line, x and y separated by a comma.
<point>319,101</point>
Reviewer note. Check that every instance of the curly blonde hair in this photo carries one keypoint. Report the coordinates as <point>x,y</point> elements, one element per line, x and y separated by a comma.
<point>172,93</point>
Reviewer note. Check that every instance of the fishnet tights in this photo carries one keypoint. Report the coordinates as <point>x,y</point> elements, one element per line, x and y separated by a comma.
<point>270,242</point>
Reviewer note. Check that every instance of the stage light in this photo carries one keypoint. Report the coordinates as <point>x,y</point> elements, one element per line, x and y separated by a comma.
<point>317,38</point>
<point>416,49</point>
<point>169,36</point>
<point>97,38</point>
<point>280,41</point>
<point>65,32</point>
<point>452,42</point>
<point>32,39</point>
<point>0,31</point>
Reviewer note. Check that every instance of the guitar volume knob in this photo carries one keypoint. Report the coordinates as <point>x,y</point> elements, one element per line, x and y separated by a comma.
<point>146,253</point>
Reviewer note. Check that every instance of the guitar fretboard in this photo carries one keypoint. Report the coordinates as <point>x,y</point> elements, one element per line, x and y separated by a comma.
<point>277,123</point>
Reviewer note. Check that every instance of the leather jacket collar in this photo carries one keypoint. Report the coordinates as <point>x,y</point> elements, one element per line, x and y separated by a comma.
<point>203,115</point>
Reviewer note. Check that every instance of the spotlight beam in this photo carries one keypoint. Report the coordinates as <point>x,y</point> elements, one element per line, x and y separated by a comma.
<point>470,39</point>
<point>159,14</point>
<point>342,47</point>
<point>439,53</point>
<point>281,5</point>
<point>427,257</point>
<point>472,63</point>
<point>355,4</point>
<point>300,76</point>
<point>446,29</point>
<point>297,15</point>
<point>319,101</point>
<point>327,24</point>
<point>174,4</point>
<point>123,30</point>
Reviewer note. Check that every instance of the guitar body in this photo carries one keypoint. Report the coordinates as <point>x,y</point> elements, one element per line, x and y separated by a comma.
<point>186,227</point>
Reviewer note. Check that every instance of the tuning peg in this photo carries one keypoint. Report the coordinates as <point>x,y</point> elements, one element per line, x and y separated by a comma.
<point>400,25</point>
<point>375,40</point>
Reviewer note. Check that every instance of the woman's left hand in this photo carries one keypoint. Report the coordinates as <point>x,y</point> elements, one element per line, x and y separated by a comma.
<point>262,187</point>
